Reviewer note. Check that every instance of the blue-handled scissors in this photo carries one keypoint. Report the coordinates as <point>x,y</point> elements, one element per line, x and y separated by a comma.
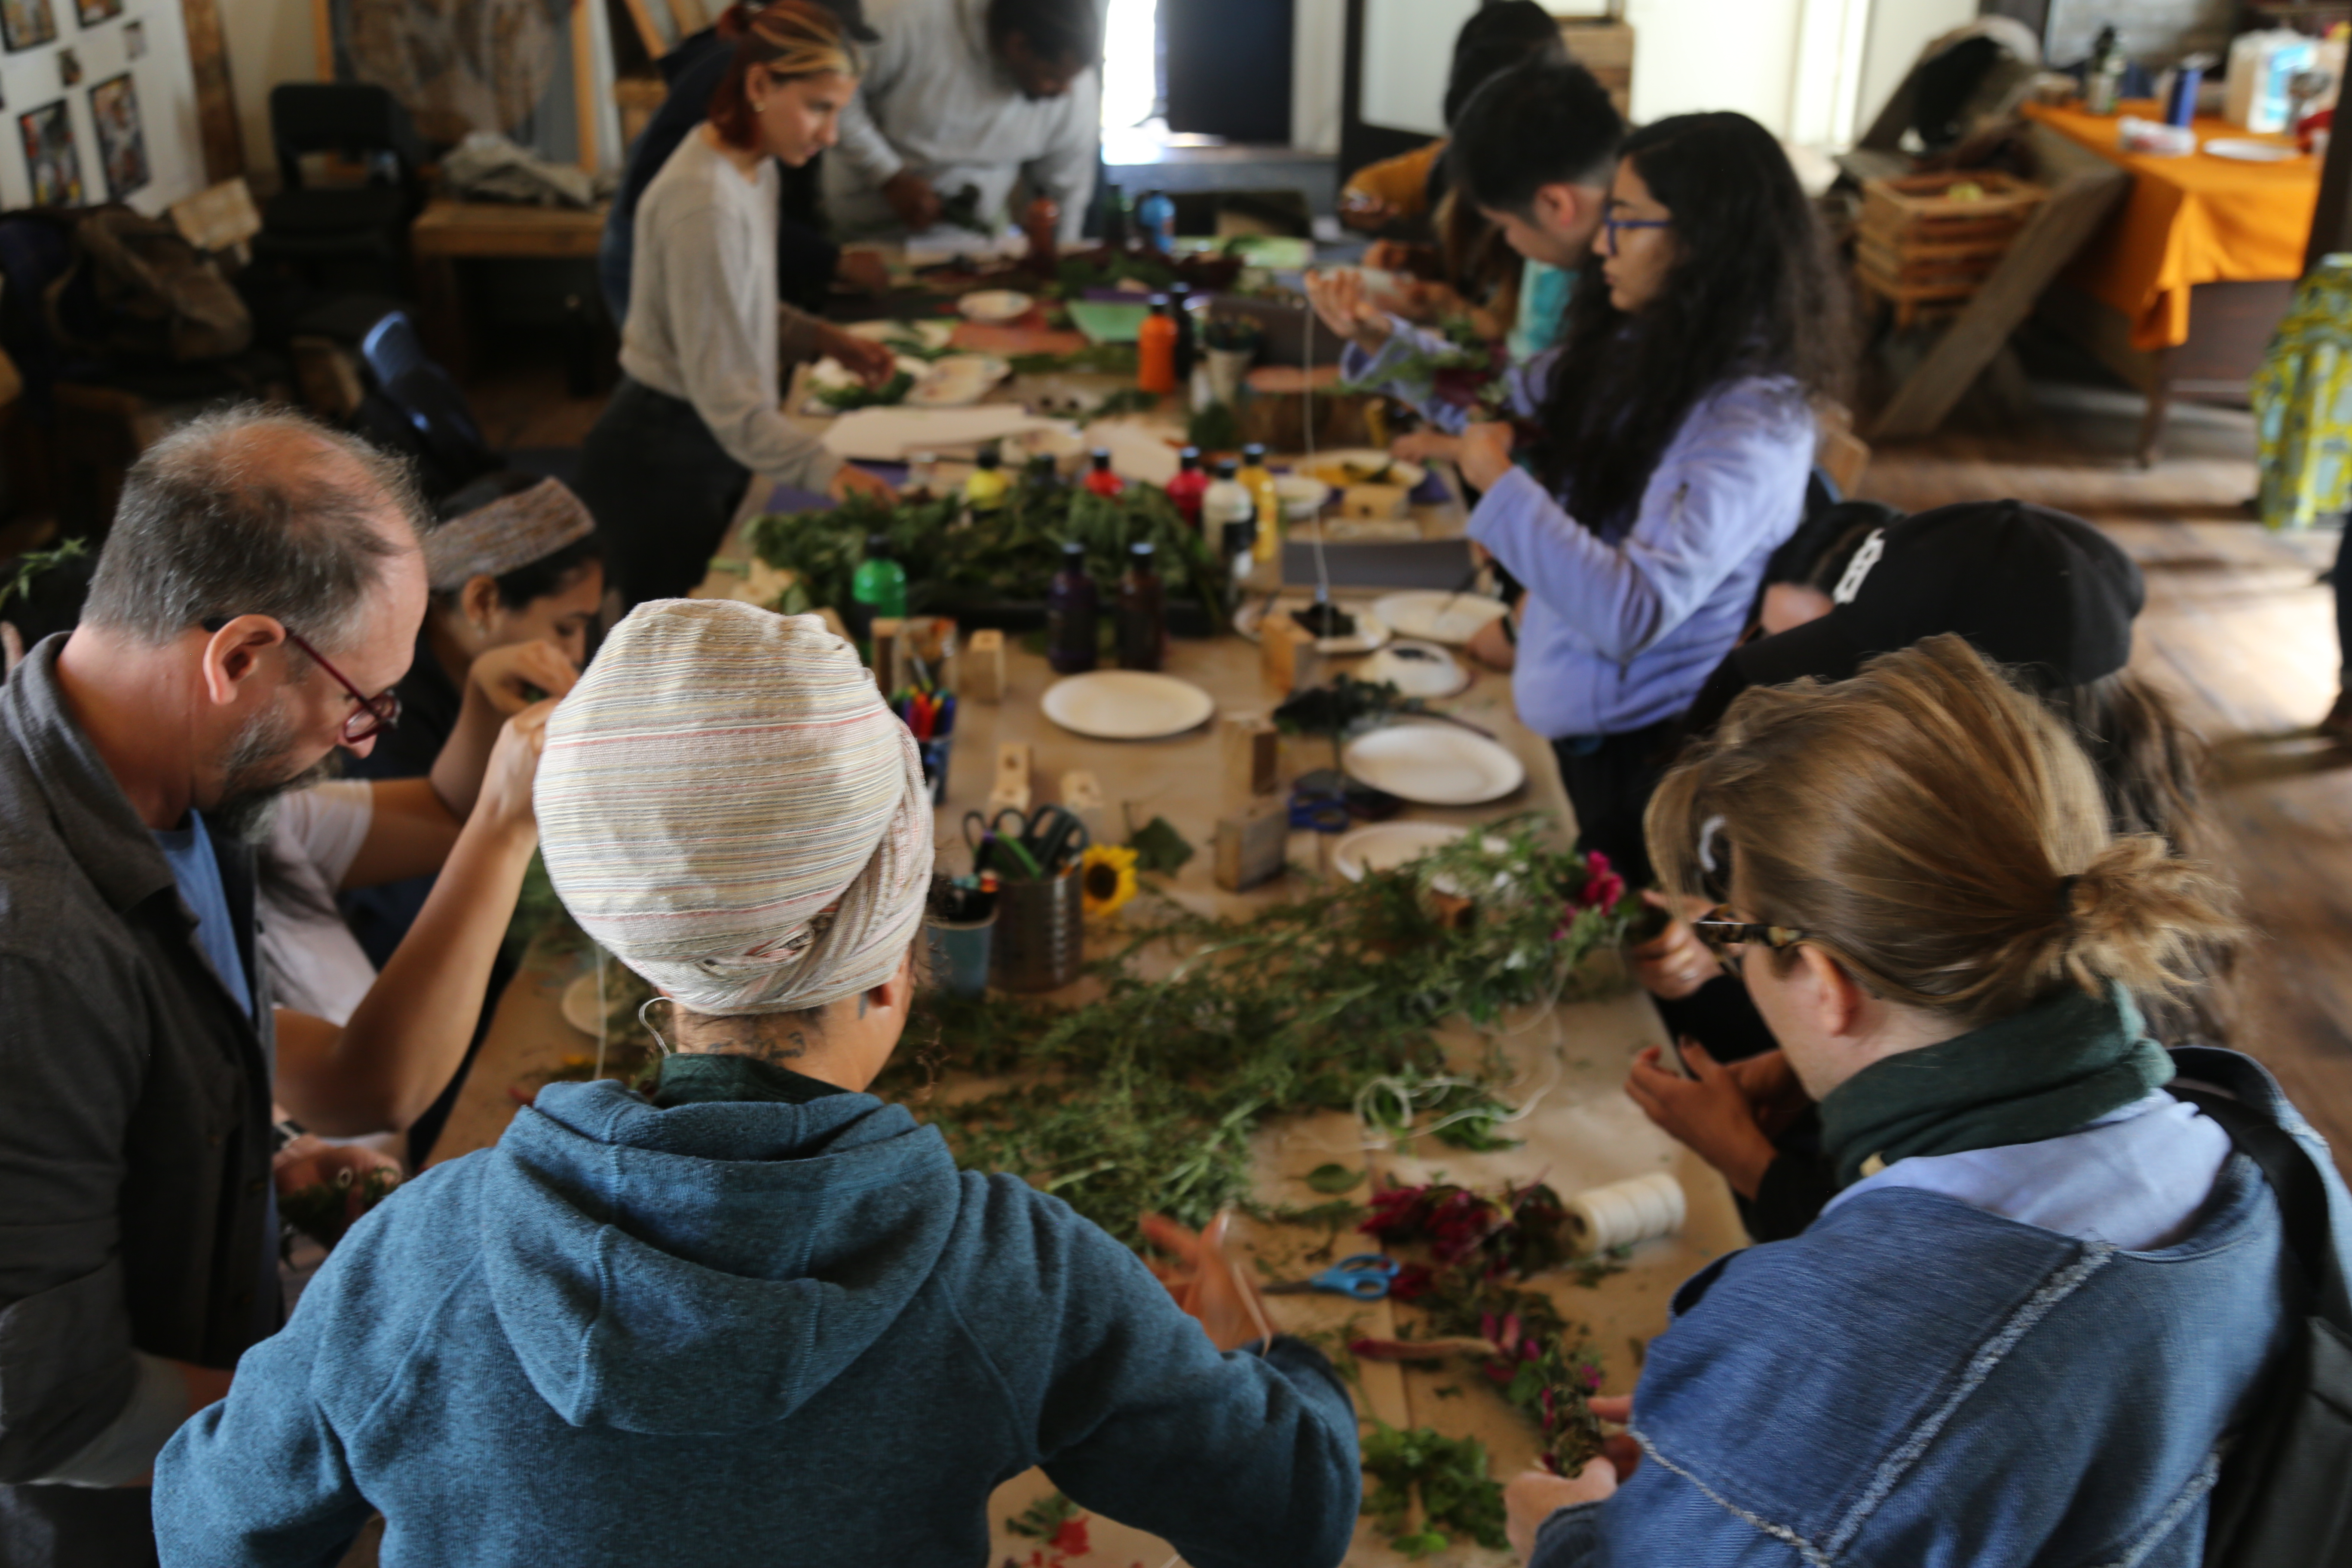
<point>1365,1275</point>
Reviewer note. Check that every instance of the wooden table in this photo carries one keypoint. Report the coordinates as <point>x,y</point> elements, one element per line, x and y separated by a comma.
<point>446,232</point>
<point>1572,1058</point>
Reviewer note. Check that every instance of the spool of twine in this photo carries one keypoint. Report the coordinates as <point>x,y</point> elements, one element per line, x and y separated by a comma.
<point>1624,1213</point>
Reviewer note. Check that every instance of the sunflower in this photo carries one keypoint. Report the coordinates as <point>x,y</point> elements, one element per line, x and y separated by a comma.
<point>1106,878</point>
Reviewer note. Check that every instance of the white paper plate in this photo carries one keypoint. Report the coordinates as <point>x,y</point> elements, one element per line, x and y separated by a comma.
<point>1450,618</point>
<point>2246,150</point>
<point>956,382</point>
<point>580,1009</point>
<point>995,305</point>
<point>1127,705</point>
<point>1387,845</point>
<point>1370,634</point>
<point>1432,765</point>
<point>932,335</point>
<point>1417,669</point>
<point>1370,460</point>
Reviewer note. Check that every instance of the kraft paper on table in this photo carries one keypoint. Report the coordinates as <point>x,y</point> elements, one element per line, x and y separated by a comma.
<point>2198,219</point>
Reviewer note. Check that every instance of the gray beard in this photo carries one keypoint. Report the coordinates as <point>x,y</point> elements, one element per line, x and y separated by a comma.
<point>253,777</point>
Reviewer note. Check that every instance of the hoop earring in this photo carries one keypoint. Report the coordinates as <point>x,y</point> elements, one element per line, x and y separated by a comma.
<point>646,1024</point>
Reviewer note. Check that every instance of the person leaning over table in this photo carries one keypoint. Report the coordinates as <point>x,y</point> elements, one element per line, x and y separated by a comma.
<point>1674,431</point>
<point>970,94</point>
<point>2046,1291</point>
<point>259,591</point>
<point>696,421</point>
<point>2036,590</point>
<point>757,1315</point>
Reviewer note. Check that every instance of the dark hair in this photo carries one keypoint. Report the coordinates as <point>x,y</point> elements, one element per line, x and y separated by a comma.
<point>788,38</point>
<point>1752,292</point>
<point>251,510</point>
<point>1496,39</point>
<point>1545,121</point>
<point>1054,29</point>
<point>533,579</point>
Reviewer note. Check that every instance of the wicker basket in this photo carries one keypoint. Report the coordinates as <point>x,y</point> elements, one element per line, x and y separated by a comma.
<point>1922,248</point>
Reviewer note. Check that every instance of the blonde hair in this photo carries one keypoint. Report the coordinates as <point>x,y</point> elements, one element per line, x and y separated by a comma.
<point>1936,832</point>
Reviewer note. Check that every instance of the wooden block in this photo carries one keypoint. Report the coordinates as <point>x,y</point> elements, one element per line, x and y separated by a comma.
<point>981,675</point>
<point>1250,849</point>
<point>1286,652</point>
<point>887,631</point>
<point>1252,752</point>
<point>1082,797</point>
<point>1012,787</point>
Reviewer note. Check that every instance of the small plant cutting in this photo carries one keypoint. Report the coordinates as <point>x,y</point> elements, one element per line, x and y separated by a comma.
<point>1468,372</point>
<point>1425,1485</point>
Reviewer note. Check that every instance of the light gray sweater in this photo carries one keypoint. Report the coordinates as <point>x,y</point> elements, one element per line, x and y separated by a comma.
<point>704,321</point>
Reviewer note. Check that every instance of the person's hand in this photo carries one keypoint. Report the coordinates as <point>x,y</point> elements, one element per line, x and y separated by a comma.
<point>1397,256</point>
<point>852,481</point>
<point>864,270</point>
<point>1339,299</point>
<point>1491,645</point>
<point>1427,445</point>
<point>1624,1454</point>
<point>1533,1496</point>
<point>1708,1113</point>
<point>868,360</point>
<point>1364,212</point>
<point>1675,963</point>
<point>309,1161</point>
<point>1204,1283</point>
<point>1485,456</point>
<point>1772,1091</point>
<point>505,800</point>
<point>12,647</point>
<point>911,197</point>
<point>520,674</point>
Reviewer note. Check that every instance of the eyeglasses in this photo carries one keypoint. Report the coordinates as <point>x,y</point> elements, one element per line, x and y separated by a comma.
<point>373,715</point>
<point>1719,930</point>
<point>1610,225</point>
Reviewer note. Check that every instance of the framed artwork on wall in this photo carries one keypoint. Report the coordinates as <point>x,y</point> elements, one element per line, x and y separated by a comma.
<point>69,68</point>
<point>27,23</point>
<point>134,40</point>
<point>93,12</point>
<point>49,157</point>
<point>122,139</point>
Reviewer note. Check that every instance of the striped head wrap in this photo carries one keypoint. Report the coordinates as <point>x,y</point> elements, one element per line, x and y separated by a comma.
<point>508,533</point>
<point>727,804</point>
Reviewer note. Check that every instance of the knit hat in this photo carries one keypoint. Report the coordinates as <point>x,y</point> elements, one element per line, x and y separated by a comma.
<point>508,533</point>
<point>729,807</point>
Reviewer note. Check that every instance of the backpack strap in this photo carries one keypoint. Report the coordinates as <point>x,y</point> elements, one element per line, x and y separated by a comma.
<point>2295,1181</point>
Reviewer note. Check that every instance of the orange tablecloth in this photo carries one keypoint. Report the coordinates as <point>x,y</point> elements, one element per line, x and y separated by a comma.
<point>2199,219</point>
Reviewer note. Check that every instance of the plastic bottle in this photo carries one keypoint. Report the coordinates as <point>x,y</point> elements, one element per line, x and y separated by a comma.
<point>877,589</point>
<point>1180,310</point>
<point>2103,81</point>
<point>1188,485</point>
<point>1142,611</point>
<point>1258,479</point>
<point>1070,612</point>
<point>1099,478</point>
<point>1041,222</point>
<point>1155,214</point>
<point>1155,349</point>
<point>986,489</point>
<point>922,472</point>
<point>1227,513</point>
<point>1043,477</point>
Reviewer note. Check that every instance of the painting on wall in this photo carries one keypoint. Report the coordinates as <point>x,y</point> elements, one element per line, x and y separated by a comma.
<point>27,23</point>
<point>134,40</point>
<point>122,143</point>
<point>69,68</point>
<point>54,169</point>
<point>93,12</point>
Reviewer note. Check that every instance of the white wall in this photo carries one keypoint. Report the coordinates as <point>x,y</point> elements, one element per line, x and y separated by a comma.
<point>1318,36</point>
<point>163,84</point>
<point>269,41</point>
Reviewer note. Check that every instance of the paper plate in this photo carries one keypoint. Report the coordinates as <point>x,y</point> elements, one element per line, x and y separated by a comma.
<point>929,334</point>
<point>1302,495</point>
<point>2246,150</point>
<point>1387,845</point>
<point>1370,634</point>
<point>956,382</point>
<point>1432,765</point>
<point>1359,466</point>
<point>579,1008</point>
<point>1127,705</point>
<point>1450,618</point>
<point>1417,670</point>
<point>995,305</point>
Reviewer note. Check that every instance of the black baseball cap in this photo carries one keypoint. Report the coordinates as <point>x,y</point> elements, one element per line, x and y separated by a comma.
<point>2026,584</point>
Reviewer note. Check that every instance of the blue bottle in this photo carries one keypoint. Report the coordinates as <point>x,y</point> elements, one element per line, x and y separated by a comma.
<point>1155,214</point>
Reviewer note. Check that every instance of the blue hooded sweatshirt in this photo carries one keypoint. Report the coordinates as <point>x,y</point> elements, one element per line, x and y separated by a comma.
<point>739,1333</point>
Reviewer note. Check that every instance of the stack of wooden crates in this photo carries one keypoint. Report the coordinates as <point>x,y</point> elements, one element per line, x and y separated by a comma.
<point>1604,46</point>
<point>1928,242</point>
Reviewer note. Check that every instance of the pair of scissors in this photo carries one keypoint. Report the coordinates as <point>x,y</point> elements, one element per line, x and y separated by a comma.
<point>984,833</point>
<point>1365,1275</point>
<point>1053,835</point>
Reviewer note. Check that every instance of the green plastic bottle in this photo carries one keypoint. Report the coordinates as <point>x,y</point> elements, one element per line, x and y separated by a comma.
<point>878,590</point>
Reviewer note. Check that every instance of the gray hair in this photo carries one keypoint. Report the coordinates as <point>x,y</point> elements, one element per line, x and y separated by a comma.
<point>252,510</point>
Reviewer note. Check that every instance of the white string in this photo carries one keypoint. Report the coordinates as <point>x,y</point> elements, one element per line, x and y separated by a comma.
<point>1307,426</point>
<point>646,1024</point>
<point>604,1014</point>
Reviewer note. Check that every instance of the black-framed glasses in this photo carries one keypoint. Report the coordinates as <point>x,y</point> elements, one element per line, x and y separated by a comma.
<point>373,715</point>
<point>1611,225</point>
<point>1719,930</point>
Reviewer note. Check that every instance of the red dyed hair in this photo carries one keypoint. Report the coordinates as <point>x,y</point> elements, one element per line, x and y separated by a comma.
<point>787,38</point>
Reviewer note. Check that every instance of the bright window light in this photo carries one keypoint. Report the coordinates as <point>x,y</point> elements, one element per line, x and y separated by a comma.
<point>1131,72</point>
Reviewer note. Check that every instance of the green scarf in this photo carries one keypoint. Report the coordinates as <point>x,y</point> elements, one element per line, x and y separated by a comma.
<point>2035,1075</point>
<point>698,1078</point>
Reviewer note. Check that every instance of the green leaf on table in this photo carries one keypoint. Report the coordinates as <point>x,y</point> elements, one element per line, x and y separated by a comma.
<point>1160,849</point>
<point>1334,1178</point>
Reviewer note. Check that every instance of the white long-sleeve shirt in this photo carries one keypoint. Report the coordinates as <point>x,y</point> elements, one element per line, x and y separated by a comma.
<point>704,319</point>
<point>935,99</point>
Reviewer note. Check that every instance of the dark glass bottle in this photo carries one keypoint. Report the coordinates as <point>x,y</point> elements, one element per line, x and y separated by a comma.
<point>1042,475</point>
<point>1071,610</point>
<point>1142,611</point>
<point>1179,300</point>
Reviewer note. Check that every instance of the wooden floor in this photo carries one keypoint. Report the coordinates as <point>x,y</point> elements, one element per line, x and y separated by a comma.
<point>2239,630</point>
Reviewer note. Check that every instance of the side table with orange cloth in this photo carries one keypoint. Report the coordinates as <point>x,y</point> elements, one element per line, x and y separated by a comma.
<point>2198,219</point>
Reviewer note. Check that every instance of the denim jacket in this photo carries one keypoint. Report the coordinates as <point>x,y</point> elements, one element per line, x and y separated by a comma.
<point>1915,1380</point>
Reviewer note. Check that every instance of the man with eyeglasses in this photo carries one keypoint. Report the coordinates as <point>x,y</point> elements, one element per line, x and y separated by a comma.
<point>258,593</point>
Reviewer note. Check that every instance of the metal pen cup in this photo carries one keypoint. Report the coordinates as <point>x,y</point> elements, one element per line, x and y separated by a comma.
<point>1040,930</point>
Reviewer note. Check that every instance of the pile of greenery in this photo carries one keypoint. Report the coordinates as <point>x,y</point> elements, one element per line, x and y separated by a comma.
<point>956,564</point>
<point>857,395</point>
<point>1447,1476</point>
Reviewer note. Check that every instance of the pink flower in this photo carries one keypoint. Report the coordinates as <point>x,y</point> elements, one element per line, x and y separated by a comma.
<point>1602,886</point>
<point>1072,1537</point>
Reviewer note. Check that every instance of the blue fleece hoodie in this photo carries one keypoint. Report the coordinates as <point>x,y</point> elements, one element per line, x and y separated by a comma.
<point>743,1333</point>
